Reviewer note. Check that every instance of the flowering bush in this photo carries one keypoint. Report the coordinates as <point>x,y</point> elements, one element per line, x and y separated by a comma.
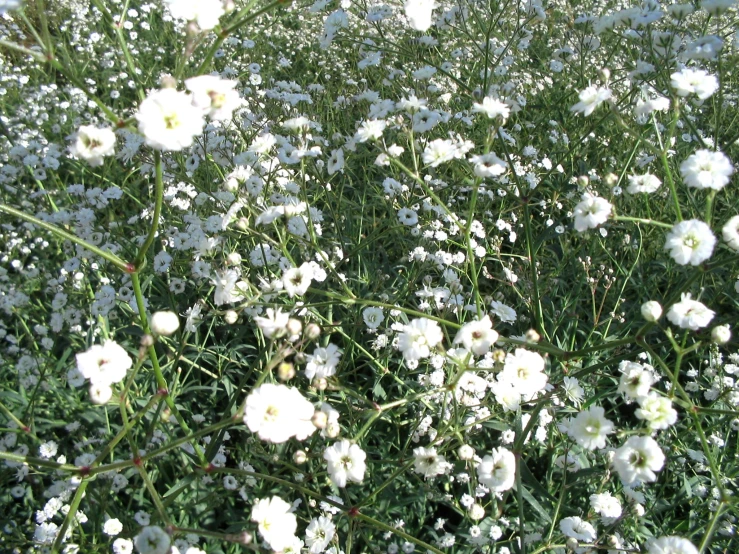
<point>349,277</point>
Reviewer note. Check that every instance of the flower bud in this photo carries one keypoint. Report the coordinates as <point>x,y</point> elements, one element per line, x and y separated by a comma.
<point>466,452</point>
<point>147,341</point>
<point>230,317</point>
<point>605,74</point>
<point>164,323</point>
<point>638,510</point>
<point>294,327</point>
<point>611,179</point>
<point>242,224</point>
<point>532,336</point>
<point>300,457</point>
<point>571,544</point>
<point>721,334</point>
<point>320,419</point>
<point>312,331</point>
<point>234,258</point>
<point>651,311</point>
<point>320,384</point>
<point>477,512</point>
<point>285,371</point>
<point>333,430</point>
<point>583,180</point>
<point>167,81</point>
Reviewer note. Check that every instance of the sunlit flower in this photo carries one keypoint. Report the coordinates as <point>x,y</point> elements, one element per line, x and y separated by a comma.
<point>152,540</point>
<point>215,96</point>
<point>346,462</point>
<point>590,428</point>
<point>168,120</point>
<point>707,169</point>
<point>428,463</point>
<point>694,81</point>
<point>591,98</point>
<point>672,545</point>
<point>638,459</point>
<point>419,13</point>
<point>93,144</point>
<point>591,211</point>
<point>418,338</point>
<point>690,242</point>
<point>689,313</point>
<point>497,470</point>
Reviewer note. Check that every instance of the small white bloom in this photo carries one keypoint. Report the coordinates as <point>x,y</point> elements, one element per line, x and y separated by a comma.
<point>706,169</point>
<point>497,470</point>
<point>730,232</point>
<point>428,463</point>
<point>152,540</point>
<point>591,211</point>
<point>651,310</point>
<point>590,428</point>
<point>690,242</point>
<point>591,98</point>
<point>689,313</point>
<point>694,81</point>
<point>419,13</point>
<point>215,96</point>
<point>672,545</point>
<point>168,120</point>
<point>638,459</point>
<point>346,462</point>
<point>647,183</point>
<point>576,528</point>
<point>92,144</point>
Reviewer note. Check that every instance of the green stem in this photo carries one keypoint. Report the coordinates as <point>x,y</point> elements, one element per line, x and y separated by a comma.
<point>61,233</point>
<point>158,200</point>
<point>642,220</point>
<point>73,507</point>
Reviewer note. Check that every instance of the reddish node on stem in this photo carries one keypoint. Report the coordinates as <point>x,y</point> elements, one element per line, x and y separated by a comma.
<point>85,471</point>
<point>137,461</point>
<point>209,468</point>
<point>353,511</point>
<point>376,406</point>
<point>26,429</point>
<point>120,123</point>
<point>130,268</point>
<point>162,392</point>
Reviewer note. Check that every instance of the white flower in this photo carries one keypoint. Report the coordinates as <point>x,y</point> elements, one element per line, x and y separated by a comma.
<point>373,317</point>
<point>428,463</point>
<point>590,428</point>
<point>165,323</point>
<point>690,242</point>
<point>319,533</point>
<point>370,130</point>
<point>488,165</point>
<point>497,470</point>
<point>591,98</point>
<point>418,338</point>
<point>635,380</point>
<point>335,162</point>
<point>277,412</point>
<point>672,545</point>
<point>215,96</point>
<point>275,521</point>
<point>730,231</point>
<point>706,169</point>
<point>104,364</point>
<point>275,324</point>
<point>647,183</point>
<point>225,282</point>
<point>477,336</point>
<point>504,312</point>
<point>92,144</point>
<point>152,540</point>
<point>606,505</point>
<point>657,411</point>
<point>578,529</point>
<point>296,280</point>
<point>689,313</point>
<point>122,546</point>
<point>638,459</point>
<point>524,370</point>
<point>591,211</point>
<point>322,363</point>
<point>694,81</point>
<point>345,463</point>
<point>492,107</point>
<point>205,13</point>
<point>168,120</point>
<point>651,311</point>
<point>112,527</point>
<point>438,152</point>
<point>419,13</point>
